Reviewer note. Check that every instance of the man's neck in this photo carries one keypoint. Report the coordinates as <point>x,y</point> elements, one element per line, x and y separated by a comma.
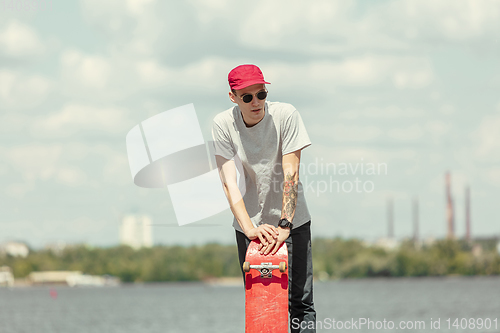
<point>246,124</point>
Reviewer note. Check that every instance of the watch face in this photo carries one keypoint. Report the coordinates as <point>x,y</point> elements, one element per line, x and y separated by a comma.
<point>285,223</point>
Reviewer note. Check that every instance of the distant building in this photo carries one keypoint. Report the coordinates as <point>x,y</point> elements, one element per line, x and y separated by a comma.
<point>477,250</point>
<point>92,280</point>
<point>15,249</point>
<point>429,241</point>
<point>52,277</point>
<point>6,277</point>
<point>71,278</point>
<point>387,243</point>
<point>135,231</point>
<point>57,247</point>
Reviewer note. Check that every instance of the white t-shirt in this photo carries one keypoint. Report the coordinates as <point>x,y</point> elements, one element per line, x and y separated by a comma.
<point>260,149</point>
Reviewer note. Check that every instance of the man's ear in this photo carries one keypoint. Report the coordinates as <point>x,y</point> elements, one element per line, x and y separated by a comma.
<point>232,97</point>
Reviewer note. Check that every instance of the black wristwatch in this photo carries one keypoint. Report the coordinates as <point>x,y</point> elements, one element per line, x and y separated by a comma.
<point>284,223</point>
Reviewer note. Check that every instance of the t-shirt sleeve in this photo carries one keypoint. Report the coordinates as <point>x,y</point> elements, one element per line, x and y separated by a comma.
<point>222,142</point>
<point>294,134</point>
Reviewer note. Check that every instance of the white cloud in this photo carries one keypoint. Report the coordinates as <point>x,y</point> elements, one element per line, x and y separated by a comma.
<point>341,132</point>
<point>208,11</point>
<point>411,133</point>
<point>142,27</point>
<point>325,27</point>
<point>150,71</point>
<point>367,70</point>
<point>447,109</point>
<point>75,118</point>
<point>86,70</point>
<point>116,170</point>
<point>14,122</point>
<point>413,78</point>
<point>34,161</point>
<point>138,6</point>
<point>115,77</point>
<point>360,154</point>
<point>72,120</point>
<point>20,40</point>
<point>207,74</point>
<point>428,20</point>
<point>437,129</point>
<point>19,90</point>
<point>108,16</point>
<point>354,133</point>
<point>493,175</point>
<point>85,226</point>
<point>69,164</point>
<point>286,24</point>
<point>464,19</point>
<point>97,77</point>
<point>19,190</point>
<point>149,29</point>
<point>337,27</point>
<point>487,137</point>
<point>382,112</point>
<point>71,176</point>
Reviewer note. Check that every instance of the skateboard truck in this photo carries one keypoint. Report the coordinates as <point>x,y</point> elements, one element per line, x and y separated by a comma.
<point>265,268</point>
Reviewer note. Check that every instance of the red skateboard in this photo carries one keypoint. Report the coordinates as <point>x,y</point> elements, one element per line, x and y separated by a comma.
<point>266,290</point>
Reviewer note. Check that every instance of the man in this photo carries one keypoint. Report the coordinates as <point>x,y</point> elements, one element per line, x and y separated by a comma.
<point>267,138</point>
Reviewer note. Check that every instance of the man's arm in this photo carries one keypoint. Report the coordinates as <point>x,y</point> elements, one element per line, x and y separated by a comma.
<point>227,171</point>
<point>290,163</point>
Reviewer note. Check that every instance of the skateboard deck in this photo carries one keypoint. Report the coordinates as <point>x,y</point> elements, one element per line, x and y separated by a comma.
<point>266,290</point>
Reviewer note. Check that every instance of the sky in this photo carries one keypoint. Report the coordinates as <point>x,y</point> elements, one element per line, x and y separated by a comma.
<point>410,87</point>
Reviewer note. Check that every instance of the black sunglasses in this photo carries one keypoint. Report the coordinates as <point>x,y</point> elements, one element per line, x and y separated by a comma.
<point>247,98</point>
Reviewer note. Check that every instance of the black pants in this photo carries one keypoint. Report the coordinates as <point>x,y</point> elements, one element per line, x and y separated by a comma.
<point>300,281</point>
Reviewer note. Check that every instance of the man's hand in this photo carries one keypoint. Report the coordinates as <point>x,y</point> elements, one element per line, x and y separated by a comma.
<point>266,233</point>
<point>283,235</point>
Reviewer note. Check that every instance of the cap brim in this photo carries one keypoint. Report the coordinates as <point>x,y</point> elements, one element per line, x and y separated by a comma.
<point>249,83</point>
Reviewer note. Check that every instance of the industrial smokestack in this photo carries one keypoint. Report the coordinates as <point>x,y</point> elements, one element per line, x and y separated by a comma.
<point>449,208</point>
<point>415,219</point>
<point>467,213</point>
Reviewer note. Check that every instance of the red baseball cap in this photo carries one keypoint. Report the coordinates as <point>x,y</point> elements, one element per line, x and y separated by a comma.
<point>245,75</point>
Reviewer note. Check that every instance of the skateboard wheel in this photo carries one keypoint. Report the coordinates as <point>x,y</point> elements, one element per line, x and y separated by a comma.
<point>246,266</point>
<point>282,267</point>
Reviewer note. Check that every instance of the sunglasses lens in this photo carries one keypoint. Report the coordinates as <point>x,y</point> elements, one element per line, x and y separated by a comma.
<point>262,95</point>
<point>247,98</point>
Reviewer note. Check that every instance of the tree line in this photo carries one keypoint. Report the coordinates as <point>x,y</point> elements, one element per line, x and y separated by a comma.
<point>352,259</point>
<point>332,259</point>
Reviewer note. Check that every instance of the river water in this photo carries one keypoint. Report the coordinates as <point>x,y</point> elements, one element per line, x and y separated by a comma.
<point>198,307</point>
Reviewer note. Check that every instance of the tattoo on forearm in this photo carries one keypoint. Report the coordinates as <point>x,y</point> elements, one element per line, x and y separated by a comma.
<point>290,188</point>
